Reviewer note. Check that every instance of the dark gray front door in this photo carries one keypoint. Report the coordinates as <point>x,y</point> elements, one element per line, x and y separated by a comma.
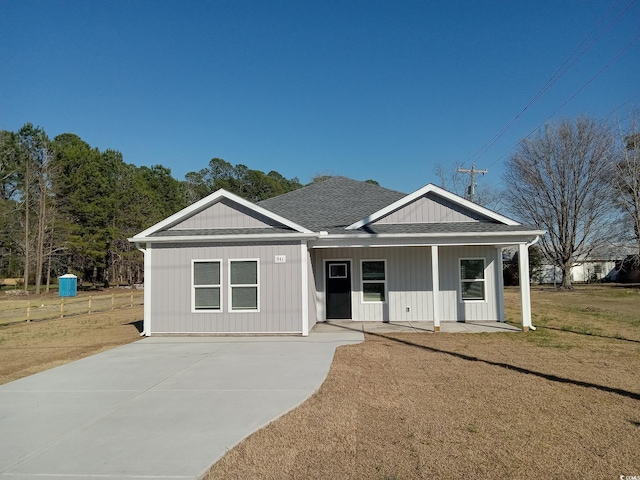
<point>338,275</point>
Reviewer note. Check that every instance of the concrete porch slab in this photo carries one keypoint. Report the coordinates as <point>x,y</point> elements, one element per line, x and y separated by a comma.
<point>334,326</point>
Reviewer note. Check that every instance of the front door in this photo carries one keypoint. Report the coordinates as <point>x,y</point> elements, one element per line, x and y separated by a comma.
<point>338,275</point>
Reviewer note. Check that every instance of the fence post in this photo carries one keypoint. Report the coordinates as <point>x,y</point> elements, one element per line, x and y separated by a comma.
<point>62,307</point>
<point>28,311</point>
<point>89,303</point>
<point>113,296</point>
<point>132,300</point>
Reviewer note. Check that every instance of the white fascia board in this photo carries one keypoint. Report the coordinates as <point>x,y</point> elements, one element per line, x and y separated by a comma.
<point>224,238</point>
<point>417,239</point>
<point>443,193</point>
<point>210,200</point>
<point>520,233</point>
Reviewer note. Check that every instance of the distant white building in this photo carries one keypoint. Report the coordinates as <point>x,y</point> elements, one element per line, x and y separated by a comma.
<point>599,265</point>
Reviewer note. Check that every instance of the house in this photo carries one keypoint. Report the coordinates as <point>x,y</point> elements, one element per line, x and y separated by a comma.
<point>338,249</point>
<point>601,264</point>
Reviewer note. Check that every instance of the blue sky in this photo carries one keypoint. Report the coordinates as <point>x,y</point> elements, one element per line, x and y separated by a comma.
<point>366,89</point>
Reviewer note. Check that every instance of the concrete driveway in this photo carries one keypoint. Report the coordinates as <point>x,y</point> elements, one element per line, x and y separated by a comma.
<point>161,408</point>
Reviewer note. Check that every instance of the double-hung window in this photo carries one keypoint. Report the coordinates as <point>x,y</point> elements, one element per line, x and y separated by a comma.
<point>374,281</point>
<point>206,285</point>
<point>472,281</point>
<point>243,285</point>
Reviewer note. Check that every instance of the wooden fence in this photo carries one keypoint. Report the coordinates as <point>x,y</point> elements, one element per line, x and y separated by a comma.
<point>46,309</point>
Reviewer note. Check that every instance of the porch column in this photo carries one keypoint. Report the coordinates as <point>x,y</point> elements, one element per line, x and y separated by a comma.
<point>500,283</point>
<point>435,282</point>
<point>146,322</point>
<point>525,293</point>
<point>304,272</point>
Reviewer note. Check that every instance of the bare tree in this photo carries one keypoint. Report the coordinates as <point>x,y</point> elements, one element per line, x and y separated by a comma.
<point>627,180</point>
<point>559,181</point>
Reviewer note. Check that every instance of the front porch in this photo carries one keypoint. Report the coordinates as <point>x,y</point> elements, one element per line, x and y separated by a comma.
<point>334,326</point>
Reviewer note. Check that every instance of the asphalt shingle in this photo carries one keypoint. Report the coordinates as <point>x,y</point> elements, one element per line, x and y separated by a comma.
<point>333,203</point>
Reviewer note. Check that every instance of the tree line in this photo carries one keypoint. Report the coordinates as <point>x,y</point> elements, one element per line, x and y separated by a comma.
<point>67,207</point>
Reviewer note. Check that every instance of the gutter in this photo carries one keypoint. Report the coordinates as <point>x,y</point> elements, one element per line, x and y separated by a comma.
<point>533,242</point>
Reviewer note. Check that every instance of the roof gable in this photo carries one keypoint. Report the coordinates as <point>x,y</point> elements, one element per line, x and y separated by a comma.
<point>225,214</point>
<point>196,213</point>
<point>431,208</point>
<point>431,204</point>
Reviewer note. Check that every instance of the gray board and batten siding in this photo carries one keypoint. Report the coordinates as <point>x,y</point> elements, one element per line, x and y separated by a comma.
<point>225,215</point>
<point>409,286</point>
<point>431,208</point>
<point>279,287</point>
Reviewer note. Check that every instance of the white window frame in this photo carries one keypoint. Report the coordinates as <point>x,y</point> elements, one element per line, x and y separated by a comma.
<point>363,281</point>
<point>231,286</point>
<point>483,279</point>
<point>194,287</point>
<point>338,263</point>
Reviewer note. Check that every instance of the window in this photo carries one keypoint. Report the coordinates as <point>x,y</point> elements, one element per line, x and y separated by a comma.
<point>206,285</point>
<point>374,281</point>
<point>338,270</point>
<point>243,285</point>
<point>472,279</point>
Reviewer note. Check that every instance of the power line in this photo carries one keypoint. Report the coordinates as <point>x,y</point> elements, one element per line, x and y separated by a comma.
<point>564,67</point>
<point>622,105</point>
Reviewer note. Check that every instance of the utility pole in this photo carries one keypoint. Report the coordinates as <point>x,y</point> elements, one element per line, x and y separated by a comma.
<point>472,187</point>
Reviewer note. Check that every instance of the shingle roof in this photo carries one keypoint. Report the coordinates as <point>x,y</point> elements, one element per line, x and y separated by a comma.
<point>336,202</point>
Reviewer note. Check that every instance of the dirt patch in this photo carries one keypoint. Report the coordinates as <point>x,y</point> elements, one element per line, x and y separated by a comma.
<point>28,348</point>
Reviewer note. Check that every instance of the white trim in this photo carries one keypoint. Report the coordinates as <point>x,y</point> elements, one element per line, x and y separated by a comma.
<point>416,242</point>
<point>484,280</point>
<point>258,237</point>
<point>346,271</point>
<point>525,288</point>
<point>518,233</point>
<point>499,284</point>
<point>210,200</point>
<point>435,287</point>
<point>230,308</point>
<point>146,322</point>
<point>193,286</point>
<point>304,254</point>
<point>439,191</point>
<point>384,282</point>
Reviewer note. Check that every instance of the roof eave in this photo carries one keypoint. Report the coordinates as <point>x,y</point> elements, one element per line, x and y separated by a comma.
<point>222,238</point>
<point>517,233</point>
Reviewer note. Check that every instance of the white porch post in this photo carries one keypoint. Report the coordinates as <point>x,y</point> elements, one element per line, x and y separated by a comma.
<point>500,283</point>
<point>304,253</point>
<point>435,282</point>
<point>146,323</point>
<point>525,293</point>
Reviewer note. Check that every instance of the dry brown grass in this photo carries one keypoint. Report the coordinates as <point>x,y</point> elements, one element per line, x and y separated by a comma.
<point>28,348</point>
<point>545,404</point>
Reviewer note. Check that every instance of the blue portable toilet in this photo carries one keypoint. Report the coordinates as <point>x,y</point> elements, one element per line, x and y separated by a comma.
<point>68,285</point>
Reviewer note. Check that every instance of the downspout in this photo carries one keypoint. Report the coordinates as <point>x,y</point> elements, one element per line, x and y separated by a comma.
<point>144,320</point>
<point>533,242</point>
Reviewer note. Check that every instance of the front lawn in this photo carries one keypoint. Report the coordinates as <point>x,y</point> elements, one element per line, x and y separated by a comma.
<point>560,402</point>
